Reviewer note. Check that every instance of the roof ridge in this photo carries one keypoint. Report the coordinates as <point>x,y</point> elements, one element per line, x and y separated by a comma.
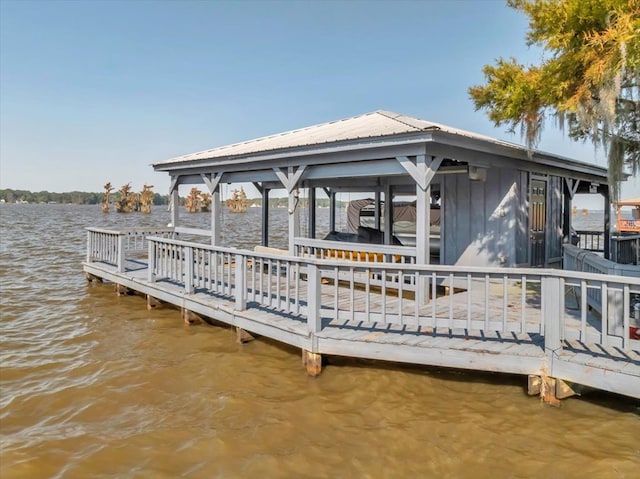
<point>396,117</point>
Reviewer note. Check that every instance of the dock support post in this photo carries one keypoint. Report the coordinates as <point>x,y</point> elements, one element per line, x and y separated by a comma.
<point>243,336</point>
<point>312,362</point>
<point>92,277</point>
<point>152,302</point>
<point>121,290</point>
<point>189,317</point>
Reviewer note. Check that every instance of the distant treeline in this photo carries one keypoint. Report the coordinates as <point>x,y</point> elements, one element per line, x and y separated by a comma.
<point>72,197</point>
<point>84,198</point>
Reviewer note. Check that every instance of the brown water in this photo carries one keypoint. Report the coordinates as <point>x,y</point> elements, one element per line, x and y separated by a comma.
<point>94,385</point>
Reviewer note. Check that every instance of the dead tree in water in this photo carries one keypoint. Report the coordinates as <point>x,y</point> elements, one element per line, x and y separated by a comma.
<point>105,201</point>
<point>238,202</point>
<point>146,198</point>
<point>126,201</point>
<point>197,201</point>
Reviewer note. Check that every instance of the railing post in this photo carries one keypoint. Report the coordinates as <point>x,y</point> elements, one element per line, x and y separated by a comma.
<point>120,253</point>
<point>89,247</point>
<point>188,270</point>
<point>552,312</point>
<point>314,284</point>
<point>151,246</point>
<point>240,280</point>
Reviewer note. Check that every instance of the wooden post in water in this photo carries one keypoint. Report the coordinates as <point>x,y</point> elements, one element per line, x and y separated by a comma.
<point>243,336</point>
<point>552,289</point>
<point>312,361</point>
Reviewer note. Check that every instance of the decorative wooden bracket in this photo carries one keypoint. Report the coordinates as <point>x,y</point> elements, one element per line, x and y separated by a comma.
<point>572,185</point>
<point>212,181</point>
<point>291,178</point>
<point>423,170</point>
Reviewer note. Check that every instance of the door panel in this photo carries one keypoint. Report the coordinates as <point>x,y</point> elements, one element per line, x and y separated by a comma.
<point>537,220</point>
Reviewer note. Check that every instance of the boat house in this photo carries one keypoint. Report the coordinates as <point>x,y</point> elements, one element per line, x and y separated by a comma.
<point>477,285</point>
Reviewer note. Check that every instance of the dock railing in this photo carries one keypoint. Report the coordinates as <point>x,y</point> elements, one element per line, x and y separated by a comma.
<point>116,246</point>
<point>504,300</point>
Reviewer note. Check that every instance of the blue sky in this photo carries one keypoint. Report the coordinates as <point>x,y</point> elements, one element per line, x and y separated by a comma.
<point>96,91</point>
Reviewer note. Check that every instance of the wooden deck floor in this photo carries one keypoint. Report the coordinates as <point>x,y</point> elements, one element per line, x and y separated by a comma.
<point>440,333</point>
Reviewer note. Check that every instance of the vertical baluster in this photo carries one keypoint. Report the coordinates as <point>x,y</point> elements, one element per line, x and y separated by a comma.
<point>523,304</point>
<point>352,291</point>
<point>505,293</point>
<point>434,294</point>
<point>486,302</point>
<point>626,323</point>
<point>400,294</point>
<point>297,291</point>
<point>604,318</point>
<point>335,288</point>
<point>384,295</point>
<point>468,303</point>
<point>451,288</point>
<point>269,281</point>
<point>367,293</point>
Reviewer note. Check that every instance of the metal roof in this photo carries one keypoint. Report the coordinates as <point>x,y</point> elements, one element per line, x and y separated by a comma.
<point>370,125</point>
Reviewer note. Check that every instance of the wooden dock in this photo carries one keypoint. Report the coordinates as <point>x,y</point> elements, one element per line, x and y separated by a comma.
<point>533,322</point>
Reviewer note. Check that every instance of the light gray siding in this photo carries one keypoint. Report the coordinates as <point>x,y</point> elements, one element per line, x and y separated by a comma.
<point>522,220</point>
<point>481,219</point>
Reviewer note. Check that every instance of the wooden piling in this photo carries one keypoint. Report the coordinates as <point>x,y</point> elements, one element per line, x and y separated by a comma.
<point>152,302</point>
<point>121,290</point>
<point>312,362</point>
<point>243,336</point>
<point>190,318</point>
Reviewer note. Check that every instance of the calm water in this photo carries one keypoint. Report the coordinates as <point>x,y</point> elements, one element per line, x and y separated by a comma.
<point>94,385</point>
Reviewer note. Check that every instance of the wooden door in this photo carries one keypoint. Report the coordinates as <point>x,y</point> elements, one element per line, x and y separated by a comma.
<point>537,220</point>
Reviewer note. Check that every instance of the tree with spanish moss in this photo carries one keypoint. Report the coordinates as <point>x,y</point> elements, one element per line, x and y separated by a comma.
<point>588,79</point>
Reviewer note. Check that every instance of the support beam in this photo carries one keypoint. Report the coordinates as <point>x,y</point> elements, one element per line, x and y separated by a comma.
<point>312,213</point>
<point>332,210</point>
<point>378,210</point>
<point>566,212</point>
<point>423,221</point>
<point>175,206</point>
<point>216,218</point>
<point>265,216</point>
<point>290,181</point>
<point>388,213</point>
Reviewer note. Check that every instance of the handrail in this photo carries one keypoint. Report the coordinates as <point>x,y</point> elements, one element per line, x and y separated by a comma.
<point>475,270</point>
<point>340,245</point>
